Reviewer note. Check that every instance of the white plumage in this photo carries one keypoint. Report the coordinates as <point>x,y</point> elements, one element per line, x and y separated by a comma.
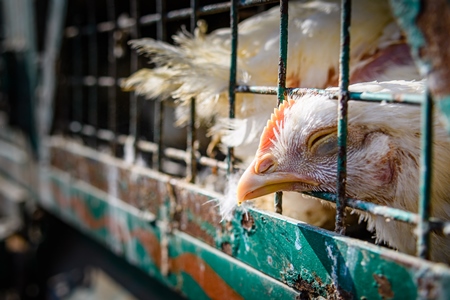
<point>198,67</point>
<point>298,152</point>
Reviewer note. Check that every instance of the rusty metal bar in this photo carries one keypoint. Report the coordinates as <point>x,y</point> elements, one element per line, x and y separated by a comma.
<point>192,134</point>
<point>159,105</point>
<point>77,102</point>
<point>190,151</point>
<point>158,133</point>
<point>387,212</point>
<point>112,72</point>
<point>342,115</point>
<point>423,226</point>
<point>49,80</point>
<point>134,99</point>
<point>234,20</point>
<point>281,86</point>
<point>92,68</point>
<point>379,210</point>
<point>173,15</point>
<point>413,99</point>
<point>201,11</point>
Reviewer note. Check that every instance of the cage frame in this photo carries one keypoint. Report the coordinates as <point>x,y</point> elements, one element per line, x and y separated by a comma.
<point>68,188</point>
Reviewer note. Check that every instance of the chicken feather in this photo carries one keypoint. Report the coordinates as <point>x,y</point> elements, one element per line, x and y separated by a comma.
<point>298,152</point>
<point>198,66</point>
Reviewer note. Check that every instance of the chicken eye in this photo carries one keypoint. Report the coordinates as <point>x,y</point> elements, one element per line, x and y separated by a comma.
<point>327,146</point>
<point>324,143</point>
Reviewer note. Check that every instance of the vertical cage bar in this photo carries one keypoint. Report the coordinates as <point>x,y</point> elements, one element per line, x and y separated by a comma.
<point>134,99</point>
<point>158,134</point>
<point>192,134</point>
<point>342,115</point>
<point>159,105</point>
<point>282,67</point>
<point>112,72</point>
<point>77,79</point>
<point>93,69</point>
<point>192,160</point>
<point>423,226</point>
<point>234,19</point>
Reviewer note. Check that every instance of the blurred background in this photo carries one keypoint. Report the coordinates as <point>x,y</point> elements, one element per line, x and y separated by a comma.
<point>61,64</point>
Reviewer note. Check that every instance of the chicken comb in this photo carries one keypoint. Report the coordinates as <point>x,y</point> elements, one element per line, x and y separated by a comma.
<point>268,135</point>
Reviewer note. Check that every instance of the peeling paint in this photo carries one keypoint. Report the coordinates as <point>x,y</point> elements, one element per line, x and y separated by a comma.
<point>384,286</point>
<point>298,243</point>
<point>324,258</point>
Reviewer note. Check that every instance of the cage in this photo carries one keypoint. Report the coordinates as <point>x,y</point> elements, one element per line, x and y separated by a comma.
<point>112,165</point>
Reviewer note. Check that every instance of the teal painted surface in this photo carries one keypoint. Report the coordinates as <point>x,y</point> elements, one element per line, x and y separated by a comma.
<point>272,249</point>
<point>97,218</point>
<point>298,253</point>
<point>248,283</point>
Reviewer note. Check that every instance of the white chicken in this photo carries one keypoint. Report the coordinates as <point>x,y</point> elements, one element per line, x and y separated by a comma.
<point>298,152</point>
<point>198,67</point>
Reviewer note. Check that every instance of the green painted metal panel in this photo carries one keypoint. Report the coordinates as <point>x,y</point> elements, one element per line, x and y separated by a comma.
<point>141,242</point>
<point>165,241</point>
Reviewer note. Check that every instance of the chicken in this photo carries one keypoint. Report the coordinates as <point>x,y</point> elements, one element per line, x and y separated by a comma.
<point>298,152</point>
<point>198,67</point>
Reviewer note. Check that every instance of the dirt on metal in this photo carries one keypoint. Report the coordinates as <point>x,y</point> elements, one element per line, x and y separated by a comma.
<point>384,286</point>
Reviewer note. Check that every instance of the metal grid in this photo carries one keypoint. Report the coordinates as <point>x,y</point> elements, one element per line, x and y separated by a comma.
<point>85,122</point>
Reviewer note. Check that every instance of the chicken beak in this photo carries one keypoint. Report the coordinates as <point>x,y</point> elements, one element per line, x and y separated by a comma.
<point>255,184</point>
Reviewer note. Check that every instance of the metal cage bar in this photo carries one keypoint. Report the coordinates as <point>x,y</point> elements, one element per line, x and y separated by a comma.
<point>134,99</point>
<point>161,34</point>
<point>234,20</point>
<point>112,72</point>
<point>191,132</point>
<point>282,67</point>
<point>77,80</point>
<point>423,220</point>
<point>92,68</point>
<point>423,226</point>
<point>344,74</point>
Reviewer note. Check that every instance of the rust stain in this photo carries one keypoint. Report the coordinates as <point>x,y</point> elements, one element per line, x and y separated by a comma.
<point>308,291</point>
<point>384,286</point>
<point>84,213</point>
<point>247,221</point>
<point>150,243</point>
<point>197,204</point>
<point>196,231</point>
<point>427,286</point>
<point>212,284</point>
<point>145,193</point>
<point>227,248</point>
